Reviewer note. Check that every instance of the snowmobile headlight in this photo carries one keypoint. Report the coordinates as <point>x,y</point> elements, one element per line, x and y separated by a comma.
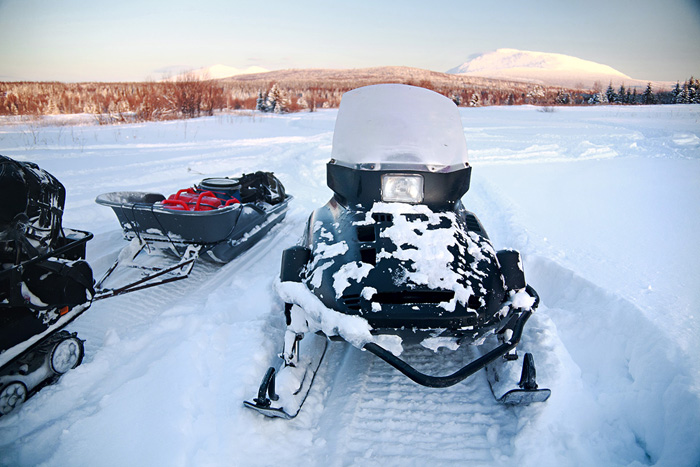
<point>402,188</point>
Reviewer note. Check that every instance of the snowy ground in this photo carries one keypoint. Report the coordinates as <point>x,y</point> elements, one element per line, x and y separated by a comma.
<point>603,202</point>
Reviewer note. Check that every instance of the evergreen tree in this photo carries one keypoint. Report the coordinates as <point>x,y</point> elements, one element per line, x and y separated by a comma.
<point>272,98</point>
<point>677,93</point>
<point>275,100</point>
<point>622,95</point>
<point>610,94</point>
<point>693,92</point>
<point>648,97</point>
<point>683,98</point>
<point>260,102</point>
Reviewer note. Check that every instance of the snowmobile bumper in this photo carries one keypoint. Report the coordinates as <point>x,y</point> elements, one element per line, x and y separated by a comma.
<point>450,380</point>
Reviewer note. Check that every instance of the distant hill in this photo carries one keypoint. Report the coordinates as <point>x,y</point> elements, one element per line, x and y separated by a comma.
<point>324,87</point>
<point>547,69</point>
<point>364,76</point>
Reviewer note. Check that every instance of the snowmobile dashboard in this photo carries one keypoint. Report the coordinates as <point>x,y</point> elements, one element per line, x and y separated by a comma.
<point>365,187</point>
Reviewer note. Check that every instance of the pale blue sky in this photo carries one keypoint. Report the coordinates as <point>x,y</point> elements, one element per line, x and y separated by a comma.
<point>128,40</point>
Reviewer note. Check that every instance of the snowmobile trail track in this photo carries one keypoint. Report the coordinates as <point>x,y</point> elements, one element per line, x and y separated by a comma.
<point>379,417</point>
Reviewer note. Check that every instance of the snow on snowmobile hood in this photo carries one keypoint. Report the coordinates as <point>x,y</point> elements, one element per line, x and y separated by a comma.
<point>399,127</point>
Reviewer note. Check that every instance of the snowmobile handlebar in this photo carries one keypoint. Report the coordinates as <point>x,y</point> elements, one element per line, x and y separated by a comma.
<point>469,369</point>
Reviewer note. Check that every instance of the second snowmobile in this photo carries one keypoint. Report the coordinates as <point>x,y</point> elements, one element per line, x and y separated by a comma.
<point>395,257</point>
<point>45,283</point>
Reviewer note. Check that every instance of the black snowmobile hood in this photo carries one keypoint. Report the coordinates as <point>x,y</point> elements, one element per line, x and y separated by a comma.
<point>399,265</point>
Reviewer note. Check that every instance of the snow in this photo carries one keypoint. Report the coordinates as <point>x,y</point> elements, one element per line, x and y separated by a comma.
<point>219,71</point>
<point>547,68</point>
<point>354,271</point>
<point>602,203</point>
<point>508,59</point>
<point>431,256</point>
<point>434,343</point>
<point>314,316</point>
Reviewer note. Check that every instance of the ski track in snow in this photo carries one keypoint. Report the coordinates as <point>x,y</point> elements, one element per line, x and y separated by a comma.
<point>167,368</point>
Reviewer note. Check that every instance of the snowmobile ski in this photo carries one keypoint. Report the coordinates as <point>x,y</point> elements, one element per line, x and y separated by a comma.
<point>502,375</point>
<point>284,389</point>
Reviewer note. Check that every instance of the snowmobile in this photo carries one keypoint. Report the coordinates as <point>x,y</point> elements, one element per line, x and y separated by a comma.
<point>217,220</point>
<point>44,283</point>
<point>394,257</point>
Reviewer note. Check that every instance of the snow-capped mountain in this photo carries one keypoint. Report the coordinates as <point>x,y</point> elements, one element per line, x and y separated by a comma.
<point>544,68</point>
<point>220,71</point>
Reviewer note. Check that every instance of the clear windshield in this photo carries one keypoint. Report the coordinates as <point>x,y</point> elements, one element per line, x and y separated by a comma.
<point>394,126</point>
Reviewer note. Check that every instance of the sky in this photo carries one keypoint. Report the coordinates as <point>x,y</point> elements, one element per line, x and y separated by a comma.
<point>129,40</point>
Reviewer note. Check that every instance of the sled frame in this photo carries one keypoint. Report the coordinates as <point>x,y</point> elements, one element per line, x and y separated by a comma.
<point>151,276</point>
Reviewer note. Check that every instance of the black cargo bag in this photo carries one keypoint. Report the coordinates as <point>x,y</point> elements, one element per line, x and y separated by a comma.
<point>31,209</point>
<point>261,186</point>
<point>59,283</point>
<point>35,295</point>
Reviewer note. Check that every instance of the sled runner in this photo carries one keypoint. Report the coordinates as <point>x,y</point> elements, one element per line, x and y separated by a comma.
<point>44,282</point>
<point>395,258</point>
<point>217,220</point>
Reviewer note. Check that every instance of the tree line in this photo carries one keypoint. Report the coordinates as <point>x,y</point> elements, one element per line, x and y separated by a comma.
<point>188,96</point>
<point>688,93</point>
<point>184,98</point>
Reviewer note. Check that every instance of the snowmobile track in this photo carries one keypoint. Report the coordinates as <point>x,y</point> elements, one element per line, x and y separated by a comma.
<point>386,419</point>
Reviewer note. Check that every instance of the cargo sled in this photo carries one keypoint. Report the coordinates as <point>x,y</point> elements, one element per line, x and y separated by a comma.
<point>395,259</point>
<point>217,220</point>
<point>44,283</point>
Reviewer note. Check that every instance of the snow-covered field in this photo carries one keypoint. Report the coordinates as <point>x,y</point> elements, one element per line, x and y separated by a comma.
<point>603,202</point>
